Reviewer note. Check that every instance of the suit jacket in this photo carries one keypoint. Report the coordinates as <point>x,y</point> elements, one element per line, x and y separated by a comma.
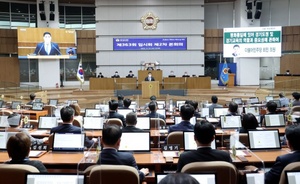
<point>273,175</point>
<point>131,129</point>
<point>155,115</point>
<point>151,79</point>
<point>130,76</point>
<point>113,157</point>
<point>202,155</point>
<point>113,114</point>
<point>69,128</point>
<point>182,126</point>
<point>185,75</point>
<point>40,49</point>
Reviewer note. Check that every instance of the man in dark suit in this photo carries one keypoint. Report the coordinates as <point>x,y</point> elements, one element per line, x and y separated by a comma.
<point>214,100</point>
<point>47,47</point>
<point>204,135</point>
<point>130,75</point>
<point>126,103</point>
<point>172,74</point>
<point>149,78</point>
<point>120,101</point>
<point>186,112</point>
<point>131,120</point>
<point>111,138</point>
<point>116,75</point>
<point>153,108</point>
<point>67,116</point>
<point>195,105</point>
<point>32,98</point>
<point>113,108</point>
<point>185,74</point>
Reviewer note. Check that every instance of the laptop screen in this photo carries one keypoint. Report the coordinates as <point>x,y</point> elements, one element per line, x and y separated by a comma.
<point>69,102</point>
<point>102,107</point>
<point>292,177</point>
<point>190,144</point>
<point>1,103</point>
<point>178,120</point>
<point>269,98</point>
<point>124,112</point>
<point>34,178</point>
<point>179,103</point>
<point>47,122</point>
<point>274,120</point>
<point>68,142</point>
<point>254,178</point>
<point>53,102</point>
<point>252,110</point>
<point>143,123</point>
<point>254,100</point>
<point>238,101</point>
<point>264,139</point>
<point>3,121</point>
<point>37,106</point>
<point>93,123</point>
<point>231,122</point>
<point>92,112</point>
<point>135,141</point>
<point>15,104</point>
<point>277,103</point>
<point>202,178</point>
<point>161,111</point>
<point>220,111</point>
<point>4,136</point>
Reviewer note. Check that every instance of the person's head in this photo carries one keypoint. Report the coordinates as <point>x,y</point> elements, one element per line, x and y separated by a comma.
<point>292,134</point>
<point>185,73</point>
<point>153,98</point>
<point>18,146</point>
<point>47,37</point>
<point>32,96</point>
<point>127,102</point>
<point>67,114</point>
<point>192,103</point>
<point>236,49</point>
<point>281,95</point>
<point>76,109</point>
<point>152,106</point>
<point>111,136</point>
<point>130,72</point>
<point>296,95</point>
<point>204,133</point>
<point>116,73</point>
<point>249,121</point>
<point>271,106</point>
<point>120,97</point>
<point>187,111</point>
<point>214,99</point>
<point>172,72</point>
<point>287,71</point>
<point>131,119</point>
<point>233,107</point>
<point>149,74</point>
<point>14,120</point>
<point>113,105</point>
<point>178,178</point>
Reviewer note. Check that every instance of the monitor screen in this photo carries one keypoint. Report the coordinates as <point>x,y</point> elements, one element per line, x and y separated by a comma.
<point>93,123</point>
<point>37,106</point>
<point>47,122</point>
<point>135,141</point>
<point>277,103</point>
<point>92,112</point>
<point>202,178</point>
<point>220,111</point>
<point>68,142</point>
<point>269,98</point>
<point>143,123</point>
<point>274,120</point>
<point>124,112</point>
<point>179,103</point>
<point>231,122</point>
<point>254,100</point>
<point>53,102</point>
<point>34,178</point>
<point>3,121</point>
<point>178,120</point>
<point>102,107</point>
<point>252,110</point>
<point>238,101</point>
<point>161,111</point>
<point>264,139</point>
<point>46,43</point>
<point>15,104</point>
<point>254,178</point>
<point>293,176</point>
<point>4,136</point>
<point>190,143</point>
<point>69,102</point>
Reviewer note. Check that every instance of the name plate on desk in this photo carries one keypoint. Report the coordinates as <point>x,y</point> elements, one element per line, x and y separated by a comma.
<point>48,56</point>
<point>170,147</point>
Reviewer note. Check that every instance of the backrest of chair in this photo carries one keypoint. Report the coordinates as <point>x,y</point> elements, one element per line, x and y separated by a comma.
<point>226,172</point>
<point>114,174</point>
<point>289,167</point>
<point>76,122</point>
<point>156,123</point>
<point>114,121</point>
<point>5,112</point>
<point>15,173</point>
<point>175,138</point>
<point>244,139</point>
<point>295,108</point>
<point>50,142</point>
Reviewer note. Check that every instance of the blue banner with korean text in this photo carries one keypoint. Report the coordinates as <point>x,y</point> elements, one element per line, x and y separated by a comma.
<point>150,43</point>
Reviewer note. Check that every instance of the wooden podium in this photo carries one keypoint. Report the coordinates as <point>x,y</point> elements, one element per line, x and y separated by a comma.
<point>150,88</point>
<point>231,79</point>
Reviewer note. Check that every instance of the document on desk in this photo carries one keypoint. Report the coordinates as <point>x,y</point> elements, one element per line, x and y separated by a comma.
<point>39,132</point>
<point>170,153</point>
<point>36,153</point>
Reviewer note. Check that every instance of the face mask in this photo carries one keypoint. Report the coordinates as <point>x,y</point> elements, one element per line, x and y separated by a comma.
<point>149,76</point>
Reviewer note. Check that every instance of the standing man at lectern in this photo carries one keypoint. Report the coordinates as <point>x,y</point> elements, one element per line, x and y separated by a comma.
<point>149,78</point>
<point>47,47</point>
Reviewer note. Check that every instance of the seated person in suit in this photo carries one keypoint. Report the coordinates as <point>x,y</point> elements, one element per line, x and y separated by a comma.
<point>296,97</point>
<point>284,101</point>
<point>111,138</point>
<point>67,116</point>
<point>47,47</point>
<point>204,135</point>
<point>153,108</point>
<point>186,112</point>
<point>149,77</point>
<point>178,178</point>
<point>249,122</point>
<point>288,72</point>
<point>271,109</point>
<point>100,75</point>
<point>116,75</point>
<point>172,74</point>
<point>214,100</point>
<point>131,120</point>
<point>120,101</point>
<point>233,109</point>
<point>18,148</point>
<point>195,105</point>
<point>32,98</point>
<point>113,108</point>
<point>127,103</point>
<point>185,74</point>
<point>130,75</point>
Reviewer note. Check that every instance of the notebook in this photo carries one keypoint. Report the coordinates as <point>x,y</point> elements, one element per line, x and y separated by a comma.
<point>190,144</point>
<point>53,102</point>
<point>93,123</point>
<point>178,119</point>
<point>220,111</point>
<point>269,98</point>
<point>135,141</point>
<point>143,123</point>
<point>37,106</point>
<point>92,112</point>
<point>253,100</point>
<point>124,112</point>
<point>264,139</point>
<point>4,136</point>
<point>15,104</point>
<point>68,142</point>
<point>292,177</point>
<point>231,122</point>
<point>202,178</point>
<point>47,122</point>
<point>255,178</point>
<point>238,101</point>
<point>274,120</point>
<point>3,121</point>
<point>252,110</point>
<point>34,178</point>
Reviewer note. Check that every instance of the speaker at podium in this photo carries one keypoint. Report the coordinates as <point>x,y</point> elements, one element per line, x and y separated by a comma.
<point>150,88</point>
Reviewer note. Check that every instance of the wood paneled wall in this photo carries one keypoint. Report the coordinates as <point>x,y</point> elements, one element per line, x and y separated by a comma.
<point>8,41</point>
<point>86,41</point>
<point>290,62</point>
<point>10,70</point>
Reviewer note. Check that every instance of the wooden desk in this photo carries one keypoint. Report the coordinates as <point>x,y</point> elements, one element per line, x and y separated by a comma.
<point>286,82</point>
<point>102,83</point>
<point>175,83</point>
<point>198,82</point>
<point>33,115</point>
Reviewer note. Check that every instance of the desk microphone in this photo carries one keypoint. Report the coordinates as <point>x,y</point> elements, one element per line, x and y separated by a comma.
<point>38,53</point>
<point>56,49</point>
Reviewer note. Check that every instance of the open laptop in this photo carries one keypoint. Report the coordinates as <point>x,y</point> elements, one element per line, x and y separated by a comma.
<point>34,178</point>
<point>231,122</point>
<point>38,100</point>
<point>102,107</point>
<point>202,178</point>
<point>37,106</point>
<point>179,103</point>
<point>124,112</point>
<point>143,123</point>
<point>252,110</point>
<point>269,98</point>
<point>264,139</point>
<point>161,104</point>
<point>161,111</point>
<point>92,112</point>
<point>190,144</point>
<point>135,142</point>
<point>70,142</point>
<point>177,120</point>
<point>253,100</point>
<point>69,102</point>
<point>3,121</point>
<point>53,102</point>
<point>292,177</point>
<point>238,101</point>
<point>93,123</point>
<point>277,103</point>
<point>15,104</point>
<point>4,136</point>
<point>220,111</point>
<point>255,178</point>
<point>47,122</point>
<point>274,120</point>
